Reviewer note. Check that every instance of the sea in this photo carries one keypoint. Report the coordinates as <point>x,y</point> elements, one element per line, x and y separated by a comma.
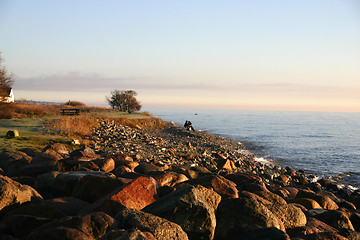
<point>323,144</point>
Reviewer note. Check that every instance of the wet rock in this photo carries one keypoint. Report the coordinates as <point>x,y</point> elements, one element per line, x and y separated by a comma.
<point>188,208</point>
<point>136,195</point>
<point>161,228</point>
<point>12,192</point>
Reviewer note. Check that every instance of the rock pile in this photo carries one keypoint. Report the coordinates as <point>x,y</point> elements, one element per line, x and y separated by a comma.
<point>165,184</point>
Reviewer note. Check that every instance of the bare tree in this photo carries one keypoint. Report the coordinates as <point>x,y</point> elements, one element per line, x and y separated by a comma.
<point>6,80</point>
<point>124,101</point>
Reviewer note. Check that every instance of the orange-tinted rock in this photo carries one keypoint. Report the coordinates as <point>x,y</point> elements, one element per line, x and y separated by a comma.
<point>306,202</point>
<point>225,164</point>
<point>324,201</point>
<point>136,194</point>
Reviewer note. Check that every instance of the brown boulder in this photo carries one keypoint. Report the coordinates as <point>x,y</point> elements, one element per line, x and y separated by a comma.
<point>306,202</point>
<point>68,205</point>
<point>218,183</point>
<point>161,228</point>
<point>12,192</point>
<point>58,148</point>
<point>106,165</point>
<point>355,220</point>
<point>12,161</point>
<point>92,187</point>
<point>188,208</point>
<point>131,234</point>
<point>324,201</point>
<point>26,223</point>
<point>145,167</point>
<point>168,178</point>
<point>313,225</point>
<point>90,226</point>
<point>212,197</point>
<point>290,215</point>
<point>136,195</point>
<point>336,219</point>
<point>272,197</point>
<point>225,164</point>
<point>241,214</point>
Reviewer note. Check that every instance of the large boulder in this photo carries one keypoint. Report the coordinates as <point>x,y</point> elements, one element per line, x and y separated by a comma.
<point>92,187</point>
<point>335,218</point>
<point>66,181</point>
<point>136,194</point>
<point>218,183</point>
<point>130,234</point>
<point>90,226</point>
<point>68,205</point>
<point>12,192</point>
<point>323,200</point>
<point>12,161</point>
<point>26,223</point>
<point>290,215</point>
<point>57,149</point>
<point>105,164</point>
<point>272,197</point>
<point>188,208</point>
<point>161,228</point>
<point>306,202</point>
<point>241,214</point>
<point>313,225</point>
<point>168,178</point>
<point>42,163</point>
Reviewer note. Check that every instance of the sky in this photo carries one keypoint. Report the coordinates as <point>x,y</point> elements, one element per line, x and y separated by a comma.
<point>298,55</point>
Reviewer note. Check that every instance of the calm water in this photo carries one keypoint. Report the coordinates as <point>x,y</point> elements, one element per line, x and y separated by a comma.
<point>317,142</point>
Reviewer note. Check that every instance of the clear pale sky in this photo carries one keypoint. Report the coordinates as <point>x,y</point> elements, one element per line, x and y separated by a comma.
<point>231,54</point>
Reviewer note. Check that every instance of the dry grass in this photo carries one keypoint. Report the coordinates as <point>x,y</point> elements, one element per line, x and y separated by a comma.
<point>41,124</point>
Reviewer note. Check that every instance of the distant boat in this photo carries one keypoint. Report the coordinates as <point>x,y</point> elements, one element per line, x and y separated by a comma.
<point>195,113</point>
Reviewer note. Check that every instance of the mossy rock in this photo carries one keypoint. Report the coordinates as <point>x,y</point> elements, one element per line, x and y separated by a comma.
<point>12,134</point>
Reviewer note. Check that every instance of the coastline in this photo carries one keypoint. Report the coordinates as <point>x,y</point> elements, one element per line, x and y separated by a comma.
<point>212,183</point>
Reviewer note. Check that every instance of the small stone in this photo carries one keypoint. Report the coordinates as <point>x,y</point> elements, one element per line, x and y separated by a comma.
<point>12,134</point>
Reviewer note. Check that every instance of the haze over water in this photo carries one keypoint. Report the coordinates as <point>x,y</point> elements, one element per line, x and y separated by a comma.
<point>322,143</point>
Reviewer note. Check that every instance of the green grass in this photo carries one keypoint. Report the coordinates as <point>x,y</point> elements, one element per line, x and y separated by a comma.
<point>32,134</point>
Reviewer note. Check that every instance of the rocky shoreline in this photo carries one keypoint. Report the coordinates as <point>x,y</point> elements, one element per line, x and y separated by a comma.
<point>135,183</point>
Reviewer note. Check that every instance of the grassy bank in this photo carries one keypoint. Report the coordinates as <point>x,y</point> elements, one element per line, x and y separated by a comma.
<point>40,125</point>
